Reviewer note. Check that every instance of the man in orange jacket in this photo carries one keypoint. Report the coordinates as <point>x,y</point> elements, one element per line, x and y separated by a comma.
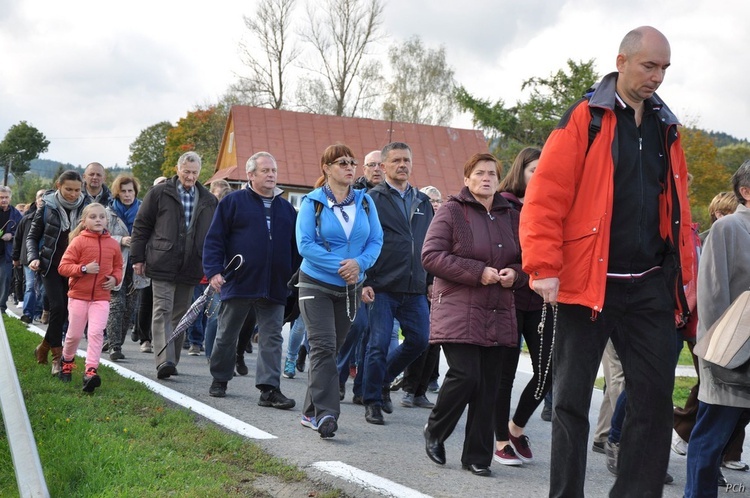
<point>605,233</point>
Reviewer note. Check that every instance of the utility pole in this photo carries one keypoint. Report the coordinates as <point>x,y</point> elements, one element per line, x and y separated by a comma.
<point>9,163</point>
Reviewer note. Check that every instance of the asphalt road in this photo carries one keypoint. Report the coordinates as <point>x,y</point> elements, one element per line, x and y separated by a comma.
<point>365,460</point>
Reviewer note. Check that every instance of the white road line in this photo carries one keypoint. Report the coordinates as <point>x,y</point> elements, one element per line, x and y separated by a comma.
<point>366,480</point>
<point>203,409</point>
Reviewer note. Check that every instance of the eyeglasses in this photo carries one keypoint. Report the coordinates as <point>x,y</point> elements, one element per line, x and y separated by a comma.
<point>436,201</point>
<point>372,165</point>
<point>343,162</point>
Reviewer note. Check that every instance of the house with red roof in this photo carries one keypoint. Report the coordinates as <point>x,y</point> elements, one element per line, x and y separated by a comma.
<point>297,141</point>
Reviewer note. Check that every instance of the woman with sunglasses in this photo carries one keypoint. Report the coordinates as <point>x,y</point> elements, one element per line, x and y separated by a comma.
<point>339,237</point>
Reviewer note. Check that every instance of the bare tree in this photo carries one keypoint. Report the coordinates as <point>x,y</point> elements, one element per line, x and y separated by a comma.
<point>340,33</point>
<point>421,87</point>
<point>266,83</point>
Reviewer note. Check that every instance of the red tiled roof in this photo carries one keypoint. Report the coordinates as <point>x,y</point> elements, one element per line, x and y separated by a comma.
<point>297,140</point>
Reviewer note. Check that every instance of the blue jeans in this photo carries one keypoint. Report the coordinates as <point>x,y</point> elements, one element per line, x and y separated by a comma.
<point>352,346</point>
<point>381,367</point>
<point>297,336</point>
<point>196,332</point>
<point>212,323</point>
<point>32,282</point>
<point>714,425</point>
<point>6,274</point>
<point>639,318</point>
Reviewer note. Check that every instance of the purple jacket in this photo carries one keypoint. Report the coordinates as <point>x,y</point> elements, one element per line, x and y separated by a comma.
<point>462,240</point>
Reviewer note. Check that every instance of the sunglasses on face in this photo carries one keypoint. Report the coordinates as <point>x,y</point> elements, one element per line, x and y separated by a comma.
<point>344,162</point>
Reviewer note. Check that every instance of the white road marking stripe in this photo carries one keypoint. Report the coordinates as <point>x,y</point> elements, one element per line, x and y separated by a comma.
<point>367,480</point>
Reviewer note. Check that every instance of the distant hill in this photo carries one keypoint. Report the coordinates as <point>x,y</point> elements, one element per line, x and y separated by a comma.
<point>721,139</point>
<point>47,168</point>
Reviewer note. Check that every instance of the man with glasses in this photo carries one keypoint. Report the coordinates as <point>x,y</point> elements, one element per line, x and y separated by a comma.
<point>373,172</point>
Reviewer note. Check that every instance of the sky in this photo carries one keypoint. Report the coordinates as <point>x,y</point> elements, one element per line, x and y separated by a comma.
<point>91,75</point>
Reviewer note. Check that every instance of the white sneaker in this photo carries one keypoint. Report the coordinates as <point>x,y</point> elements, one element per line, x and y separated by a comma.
<point>679,445</point>
<point>146,347</point>
<point>735,465</point>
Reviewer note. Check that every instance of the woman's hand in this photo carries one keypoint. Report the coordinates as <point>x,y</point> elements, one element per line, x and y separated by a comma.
<point>109,282</point>
<point>507,277</point>
<point>125,242</point>
<point>349,271</point>
<point>138,269</point>
<point>490,276</point>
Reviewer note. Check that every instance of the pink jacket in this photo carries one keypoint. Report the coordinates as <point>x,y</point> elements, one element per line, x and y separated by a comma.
<point>83,249</point>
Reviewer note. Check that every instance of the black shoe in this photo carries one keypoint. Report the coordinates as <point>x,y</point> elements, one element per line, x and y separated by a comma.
<point>547,413</point>
<point>434,448</point>
<point>477,470</point>
<point>249,347</point>
<point>387,405</point>
<point>166,370</point>
<point>26,319</point>
<point>342,392</point>
<point>598,447</point>
<point>134,336</point>
<point>668,479</point>
<point>275,399</point>
<point>722,482</point>
<point>116,354</point>
<point>91,380</point>
<point>301,357</point>
<point>240,365</point>
<point>357,399</point>
<point>218,389</point>
<point>373,415</point>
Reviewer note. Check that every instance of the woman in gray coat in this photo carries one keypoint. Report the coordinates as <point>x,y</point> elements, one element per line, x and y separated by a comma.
<point>723,275</point>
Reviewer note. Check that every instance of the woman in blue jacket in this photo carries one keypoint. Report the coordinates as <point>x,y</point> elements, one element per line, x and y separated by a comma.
<point>339,237</point>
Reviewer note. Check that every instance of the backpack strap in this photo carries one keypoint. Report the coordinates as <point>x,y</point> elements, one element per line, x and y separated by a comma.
<point>595,125</point>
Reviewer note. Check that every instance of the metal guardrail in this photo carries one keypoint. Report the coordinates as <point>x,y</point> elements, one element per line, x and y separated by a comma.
<point>28,467</point>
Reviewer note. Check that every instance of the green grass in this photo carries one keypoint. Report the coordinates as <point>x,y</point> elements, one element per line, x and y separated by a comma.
<point>682,386</point>
<point>126,441</point>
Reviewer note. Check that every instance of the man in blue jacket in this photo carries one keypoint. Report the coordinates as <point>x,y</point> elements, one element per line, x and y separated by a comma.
<point>9,218</point>
<point>259,224</point>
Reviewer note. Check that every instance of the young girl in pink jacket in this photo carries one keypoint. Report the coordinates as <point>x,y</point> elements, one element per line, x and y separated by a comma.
<point>93,262</point>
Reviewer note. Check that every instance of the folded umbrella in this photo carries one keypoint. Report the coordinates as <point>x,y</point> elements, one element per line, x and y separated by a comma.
<point>199,305</point>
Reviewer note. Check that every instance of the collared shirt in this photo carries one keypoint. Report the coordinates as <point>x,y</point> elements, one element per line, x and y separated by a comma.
<point>188,201</point>
<point>641,164</point>
<point>406,197</point>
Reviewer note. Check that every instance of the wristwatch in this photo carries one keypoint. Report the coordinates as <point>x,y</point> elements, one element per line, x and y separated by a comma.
<point>83,269</point>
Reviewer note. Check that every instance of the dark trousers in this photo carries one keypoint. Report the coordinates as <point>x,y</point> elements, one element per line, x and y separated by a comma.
<point>56,288</point>
<point>417,375</point>
<point>145,311</point>
<point>639,317</point>
<point>472,378</point>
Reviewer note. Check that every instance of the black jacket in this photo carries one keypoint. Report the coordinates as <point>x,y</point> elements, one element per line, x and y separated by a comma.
<point>44,241</point>
<point>22,233</point>
<point>160,239</point>
<point>399,267</point>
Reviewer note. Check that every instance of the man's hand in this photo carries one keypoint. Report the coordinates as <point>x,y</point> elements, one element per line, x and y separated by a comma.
<point>368,295</point>
<point>16,263</point>
<point>547,288</point>
<point>137,268</point>
<point>217,281</point>
<point>7,237</point>
<point>34,265</point>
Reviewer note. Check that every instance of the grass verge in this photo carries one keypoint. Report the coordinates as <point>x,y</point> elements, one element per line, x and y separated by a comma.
<point>125,440</point>
<point>682,386</point>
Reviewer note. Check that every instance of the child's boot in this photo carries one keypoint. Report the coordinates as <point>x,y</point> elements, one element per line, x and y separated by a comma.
<point>91,380</point>
<point>66,371</point>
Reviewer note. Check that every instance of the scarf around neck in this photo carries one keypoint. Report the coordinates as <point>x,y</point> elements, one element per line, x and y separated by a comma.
<point>68,210</point>
<point>347,201</point>
<point>126,213</point>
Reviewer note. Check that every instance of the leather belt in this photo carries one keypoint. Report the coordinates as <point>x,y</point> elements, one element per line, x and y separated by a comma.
<point>632,277</point>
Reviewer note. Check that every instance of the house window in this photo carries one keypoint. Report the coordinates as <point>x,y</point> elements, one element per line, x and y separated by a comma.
<point>231,143</point>
<point>295,199</point>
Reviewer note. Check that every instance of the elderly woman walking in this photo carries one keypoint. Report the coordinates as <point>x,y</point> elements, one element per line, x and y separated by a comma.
<point>473,251</point>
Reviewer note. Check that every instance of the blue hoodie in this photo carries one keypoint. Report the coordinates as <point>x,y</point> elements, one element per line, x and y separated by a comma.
<point>363,244</point>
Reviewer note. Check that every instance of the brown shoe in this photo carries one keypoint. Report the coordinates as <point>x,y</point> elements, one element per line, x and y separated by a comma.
<point>45,317</point>
<point>41,352</point>
<point>56,360</point>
